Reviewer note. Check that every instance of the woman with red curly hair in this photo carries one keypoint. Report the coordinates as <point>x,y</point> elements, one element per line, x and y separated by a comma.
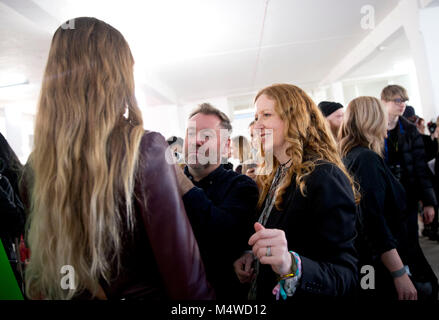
<point>303,243</point>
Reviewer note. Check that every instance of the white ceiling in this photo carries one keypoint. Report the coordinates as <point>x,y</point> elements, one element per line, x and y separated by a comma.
<point>189,50</point>
<point>389,58</point>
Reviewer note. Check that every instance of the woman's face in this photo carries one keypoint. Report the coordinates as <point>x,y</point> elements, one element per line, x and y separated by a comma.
<point>254,140</point>
<point>269,125</point>
<point>336,118</point>
<point>234,148</point>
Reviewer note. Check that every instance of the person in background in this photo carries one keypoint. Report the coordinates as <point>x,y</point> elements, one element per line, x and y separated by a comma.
<point>430,140</point>
<point>176,145</point>
<point>241,150</point>
<point>333,112</point>
<point>12,216</point>
<point>226,159</point>
<point>103,199</point>
<point>219,203</point>
<point>420,125</point>
<point>253,139</point>
<point>432,230</point>
<point>409,114</point>
<point>303,240</point>
<point>432,154</point>
<point>404,153</point>
<point>382,202</point>
<point>250,168</point>
<point>431,146</point>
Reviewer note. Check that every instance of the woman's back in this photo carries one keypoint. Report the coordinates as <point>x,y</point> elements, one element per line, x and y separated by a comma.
<point>382,205</point>
<point>89,153</point>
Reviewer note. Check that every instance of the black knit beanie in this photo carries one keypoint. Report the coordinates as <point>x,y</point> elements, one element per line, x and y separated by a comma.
<point>329,107</point>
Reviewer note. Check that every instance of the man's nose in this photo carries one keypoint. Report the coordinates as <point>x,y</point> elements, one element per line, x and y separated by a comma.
<point>199,141</point>
<point>194,140</point>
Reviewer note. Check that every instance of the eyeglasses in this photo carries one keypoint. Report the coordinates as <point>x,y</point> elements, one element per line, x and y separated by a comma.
<point>399,101</point>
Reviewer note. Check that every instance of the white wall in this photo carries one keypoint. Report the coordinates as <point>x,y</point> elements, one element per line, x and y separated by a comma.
<point>162,119</point>
<point>429,27</point>
<point>171,120</point>
<point>17,127</point>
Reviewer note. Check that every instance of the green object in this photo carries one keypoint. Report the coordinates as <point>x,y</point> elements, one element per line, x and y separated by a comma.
<point>9,289</point>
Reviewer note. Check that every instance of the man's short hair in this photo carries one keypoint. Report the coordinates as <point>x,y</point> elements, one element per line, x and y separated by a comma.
<point>208,109</point>
<point>393,90</point>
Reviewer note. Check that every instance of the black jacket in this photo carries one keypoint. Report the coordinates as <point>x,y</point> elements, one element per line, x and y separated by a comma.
<point>320,227</point>
<point>431,147</point>
<point>220,208</point>
<point>416,177</point>
<point>381,207</point>
<point>12,217</point>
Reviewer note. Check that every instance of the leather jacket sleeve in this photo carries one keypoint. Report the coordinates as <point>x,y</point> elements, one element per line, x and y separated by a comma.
<point>164,217</point>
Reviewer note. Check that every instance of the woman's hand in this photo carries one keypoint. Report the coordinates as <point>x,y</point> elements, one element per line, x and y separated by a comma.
<point>243,268</point>
<point>405,288</point>
<point>428,214</point>
<point>270,247</point>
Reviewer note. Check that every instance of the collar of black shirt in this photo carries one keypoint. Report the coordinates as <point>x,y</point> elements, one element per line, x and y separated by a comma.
<point>209,179</point>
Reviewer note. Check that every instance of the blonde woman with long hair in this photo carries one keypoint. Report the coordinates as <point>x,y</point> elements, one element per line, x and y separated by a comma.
<point>380,241</point>
<point>303,245</point>
<point>241,151</point>
<point>103,202</point>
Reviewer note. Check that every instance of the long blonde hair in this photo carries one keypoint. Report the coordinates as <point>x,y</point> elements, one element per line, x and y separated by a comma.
<point>84,159</point>
<point>309,137</point>
<point>364,124</point>
<point>243,146</point>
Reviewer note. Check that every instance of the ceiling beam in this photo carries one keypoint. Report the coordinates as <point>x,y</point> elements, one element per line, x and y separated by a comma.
<point>388,26</point>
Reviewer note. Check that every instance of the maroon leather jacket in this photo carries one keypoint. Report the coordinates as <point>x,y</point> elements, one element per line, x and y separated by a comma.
<point>162,259</point>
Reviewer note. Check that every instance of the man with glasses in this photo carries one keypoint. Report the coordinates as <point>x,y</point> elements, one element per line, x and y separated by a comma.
<point>405,155</point>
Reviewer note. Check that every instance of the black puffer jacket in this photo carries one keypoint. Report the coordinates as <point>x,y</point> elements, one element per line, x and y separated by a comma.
<point>416,177</point>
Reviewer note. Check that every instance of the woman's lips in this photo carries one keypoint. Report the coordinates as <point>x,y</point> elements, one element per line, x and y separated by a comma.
<point>265,136</point>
